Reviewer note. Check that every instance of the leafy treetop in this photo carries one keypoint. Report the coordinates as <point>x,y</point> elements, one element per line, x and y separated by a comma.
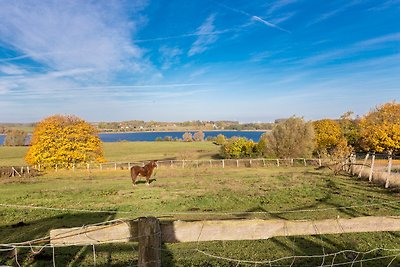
<point>380,128</point>
<point>64,140</point>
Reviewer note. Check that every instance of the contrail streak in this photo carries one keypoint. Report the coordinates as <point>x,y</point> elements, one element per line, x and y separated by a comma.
<point>253,17</point>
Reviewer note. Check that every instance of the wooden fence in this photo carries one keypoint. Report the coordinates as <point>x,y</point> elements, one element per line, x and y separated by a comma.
<point>150,232</point>
<point>212,163</point>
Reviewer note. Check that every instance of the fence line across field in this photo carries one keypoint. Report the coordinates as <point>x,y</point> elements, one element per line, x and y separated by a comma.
<point>370,166</point>
<point>212,163</point>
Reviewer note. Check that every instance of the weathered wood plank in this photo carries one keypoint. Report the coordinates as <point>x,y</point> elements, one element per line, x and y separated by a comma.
<point>180,231</point>
<point>119,232</point>
<point>263,229</point>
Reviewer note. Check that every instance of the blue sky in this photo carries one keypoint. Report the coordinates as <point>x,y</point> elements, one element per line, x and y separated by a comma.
<point>176,60</point>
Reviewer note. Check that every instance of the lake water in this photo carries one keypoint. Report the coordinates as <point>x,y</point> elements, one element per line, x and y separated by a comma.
<point>151,136</point>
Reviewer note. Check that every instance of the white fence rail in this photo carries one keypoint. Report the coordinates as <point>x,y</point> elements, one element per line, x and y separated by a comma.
<point>212,163</point>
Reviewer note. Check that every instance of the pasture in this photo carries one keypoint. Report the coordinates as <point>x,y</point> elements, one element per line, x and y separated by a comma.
<point>294,193</point>
<point>190,194</point>
<point>130,152</point>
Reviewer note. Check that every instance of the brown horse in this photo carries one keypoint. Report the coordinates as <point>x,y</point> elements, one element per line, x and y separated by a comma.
<point>145,171</point>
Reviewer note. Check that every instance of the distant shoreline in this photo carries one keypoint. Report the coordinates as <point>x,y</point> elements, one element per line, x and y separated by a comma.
<point>177,131</point>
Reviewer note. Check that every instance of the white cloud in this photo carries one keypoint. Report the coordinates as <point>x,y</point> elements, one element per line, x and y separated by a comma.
<point>11,70</point>
<point>335,11</point>
<point>280,4</point>
<point>382,5</point>
<point>282,18</point>
<point>394,37</point>
<point>70,44</point>
<point>169,56</point>
<point>70,34</point>
<point>204,41</point>
<point>366,45</point>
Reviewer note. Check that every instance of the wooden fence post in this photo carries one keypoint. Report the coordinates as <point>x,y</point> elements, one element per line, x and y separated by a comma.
<point>115,166</point>
<point>129,165</point>
<point>73,167</point>
<point>353,161</point>
<point>56,167</point>
<point>277,162</point>
<point>320,162</point>
<point>237,163</point>
<point>364,163</point>
<point>183,164</point>
<point>263,162</point>
<point>389,163</point>
<point>292,161</point>
<point>210,163</point>
<point>223,164</point>
<point>371,171</point>
<point>389,170</point>
<point>305,162</point>
<point>149,234</point>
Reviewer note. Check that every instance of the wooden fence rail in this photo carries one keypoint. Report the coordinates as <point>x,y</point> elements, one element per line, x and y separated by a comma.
<point>150,232</point>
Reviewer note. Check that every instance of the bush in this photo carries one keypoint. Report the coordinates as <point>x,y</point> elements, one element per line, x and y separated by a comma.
<point>15,138</point>
<point>238,147</point>
<point>220,140</point>
<point>198,136</point>
<point>187,137</point>
<point>168,138</point>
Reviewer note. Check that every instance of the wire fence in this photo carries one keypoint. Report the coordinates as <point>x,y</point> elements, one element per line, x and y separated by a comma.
<point>344,257</point>
<point>211,163</point>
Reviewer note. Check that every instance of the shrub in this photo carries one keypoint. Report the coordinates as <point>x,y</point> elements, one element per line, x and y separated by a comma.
<point>168,138</point>
<point>220,139</point>
<point>238,147</point>
<point>198,136</point>
<point>15,138</point>
<point>187,137</point>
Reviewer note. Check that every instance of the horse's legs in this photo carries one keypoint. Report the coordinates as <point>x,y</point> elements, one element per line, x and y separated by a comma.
<point>133,176</point>
<point>147,179</point>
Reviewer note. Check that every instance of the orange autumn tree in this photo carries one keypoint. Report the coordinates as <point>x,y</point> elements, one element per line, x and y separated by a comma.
<point>64,140</point>
<point>380,129</point>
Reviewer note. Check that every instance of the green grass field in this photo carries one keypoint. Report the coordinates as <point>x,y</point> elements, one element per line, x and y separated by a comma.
<point>130,152</point>
<point>196,194</point>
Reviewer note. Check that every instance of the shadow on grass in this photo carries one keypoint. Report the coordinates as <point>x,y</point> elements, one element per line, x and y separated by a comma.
<point>64,256</point>
<point>141,181</point>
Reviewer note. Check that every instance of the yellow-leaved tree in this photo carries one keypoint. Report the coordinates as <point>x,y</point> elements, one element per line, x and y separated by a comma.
<point>380,129</point>
<point>330,140</point>
<point>64,140</point>
<point>327,135</point>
